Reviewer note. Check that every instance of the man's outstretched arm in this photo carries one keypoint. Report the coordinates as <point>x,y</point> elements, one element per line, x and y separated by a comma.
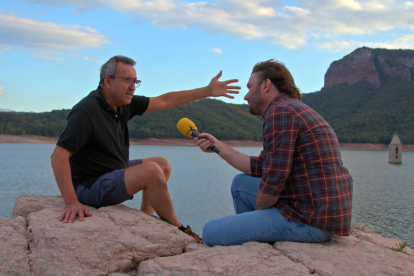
<point>61,170</point>
<point>216,88</point>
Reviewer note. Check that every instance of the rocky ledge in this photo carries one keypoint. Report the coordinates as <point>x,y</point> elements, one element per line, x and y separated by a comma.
<point>119,240</point>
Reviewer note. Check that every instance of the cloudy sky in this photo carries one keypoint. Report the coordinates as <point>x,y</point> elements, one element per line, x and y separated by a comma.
<point>51,50</point>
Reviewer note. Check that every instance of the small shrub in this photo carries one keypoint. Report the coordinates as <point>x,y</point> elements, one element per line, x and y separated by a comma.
<point>400,247</point>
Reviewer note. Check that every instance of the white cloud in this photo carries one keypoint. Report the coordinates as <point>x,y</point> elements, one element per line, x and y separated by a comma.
<point>249,8</point>
<point>1,90</point>
<point>403,42</point>
<point>21,32</point>
<point>92,59</point>
<point>289,41</point>
<point>338,46</point>
<point>323,22</point>
<point>217,50</point>
<point>88,58</point>
<point>409,5</point>
<point>48,56</point>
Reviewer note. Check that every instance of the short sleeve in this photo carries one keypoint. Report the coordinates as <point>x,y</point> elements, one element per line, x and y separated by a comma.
<point>77,132</point>
<point>138,106</point>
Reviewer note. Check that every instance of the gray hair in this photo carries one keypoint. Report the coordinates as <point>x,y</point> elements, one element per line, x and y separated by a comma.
<point>109,67</point>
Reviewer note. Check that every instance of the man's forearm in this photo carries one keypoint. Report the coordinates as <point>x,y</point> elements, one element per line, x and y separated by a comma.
<point>236,159</point>
<point>61,170</point>
<point>173,99</point>
<point>215,88</point>
<point>179,98</point>
<point>63,179</point>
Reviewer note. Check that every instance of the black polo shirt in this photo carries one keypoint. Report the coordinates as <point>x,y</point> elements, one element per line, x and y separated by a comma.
<point>98,136</point>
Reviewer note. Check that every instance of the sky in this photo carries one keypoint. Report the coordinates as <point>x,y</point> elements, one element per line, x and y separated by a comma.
<point>51,51</point>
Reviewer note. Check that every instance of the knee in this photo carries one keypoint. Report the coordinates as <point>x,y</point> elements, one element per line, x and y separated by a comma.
<point>164,165</point>
<point>209,234</point>
<point>236,182</point>
<point>156,174</point>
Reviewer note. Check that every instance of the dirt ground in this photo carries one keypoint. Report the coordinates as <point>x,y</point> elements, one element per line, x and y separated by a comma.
<point>26,139</point>
<point>188,142</point>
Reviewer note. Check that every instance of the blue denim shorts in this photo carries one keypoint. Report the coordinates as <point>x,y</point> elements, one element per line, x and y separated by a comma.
<point>108,190</point>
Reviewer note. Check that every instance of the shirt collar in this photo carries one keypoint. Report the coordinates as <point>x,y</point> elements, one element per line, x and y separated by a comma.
<point>278,97</point>
<point>103,102</point>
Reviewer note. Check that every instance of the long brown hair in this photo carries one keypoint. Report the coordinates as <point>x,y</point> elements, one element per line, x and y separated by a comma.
<point>279,75</point>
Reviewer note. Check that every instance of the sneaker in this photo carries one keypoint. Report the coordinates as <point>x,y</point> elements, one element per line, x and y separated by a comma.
<point>190,232</point>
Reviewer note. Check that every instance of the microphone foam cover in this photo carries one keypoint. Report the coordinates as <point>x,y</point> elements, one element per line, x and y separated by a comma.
<point>185,125</point>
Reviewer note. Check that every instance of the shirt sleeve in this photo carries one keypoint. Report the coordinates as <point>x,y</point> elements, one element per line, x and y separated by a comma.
<point>280,133</point>
<point>138,106</point>
<point>256,165</point>
<point>77,132</point>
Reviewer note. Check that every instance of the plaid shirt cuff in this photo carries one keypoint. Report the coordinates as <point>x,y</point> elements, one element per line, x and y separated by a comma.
<point>255,166</point>
<point>269,190</point>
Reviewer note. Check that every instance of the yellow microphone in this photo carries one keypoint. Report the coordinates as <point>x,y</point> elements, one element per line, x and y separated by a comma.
<point>188,128</point>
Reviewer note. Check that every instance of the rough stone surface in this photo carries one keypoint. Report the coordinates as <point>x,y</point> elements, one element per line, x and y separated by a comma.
<point>357,66</point>
<point>251,258</point>
<point>403,70</point>
<point>365,64</point>
<point>114,239</point>
<point>26,204</point>
<point>194,247</point>
<point>122,241</point>
<point>360,254</point>
<point>363,228</point>
<point>13,247</point>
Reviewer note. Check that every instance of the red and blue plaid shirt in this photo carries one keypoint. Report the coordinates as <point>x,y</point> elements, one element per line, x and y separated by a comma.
<point>301,163</point>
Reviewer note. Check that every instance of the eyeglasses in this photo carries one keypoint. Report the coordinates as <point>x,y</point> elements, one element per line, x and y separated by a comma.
<point>129,81</point>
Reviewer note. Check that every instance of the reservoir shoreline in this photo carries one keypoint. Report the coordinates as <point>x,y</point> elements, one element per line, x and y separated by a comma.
<point>188,142</point>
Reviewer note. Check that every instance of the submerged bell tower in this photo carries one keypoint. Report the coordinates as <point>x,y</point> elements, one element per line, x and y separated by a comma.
<point>395,153</point>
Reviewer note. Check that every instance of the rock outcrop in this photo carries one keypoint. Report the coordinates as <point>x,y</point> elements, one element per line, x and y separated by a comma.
<point>119,240</point>
<point>372,65</point>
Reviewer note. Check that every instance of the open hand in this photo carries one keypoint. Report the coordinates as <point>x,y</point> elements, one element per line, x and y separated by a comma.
<point>68,215</point>
<point>222,88</point>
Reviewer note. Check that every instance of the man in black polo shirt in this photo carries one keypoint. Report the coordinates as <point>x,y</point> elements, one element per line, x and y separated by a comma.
<point>91,159</point>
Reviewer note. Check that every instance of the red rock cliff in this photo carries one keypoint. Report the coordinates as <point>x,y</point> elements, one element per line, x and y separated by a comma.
<point>372,65</point>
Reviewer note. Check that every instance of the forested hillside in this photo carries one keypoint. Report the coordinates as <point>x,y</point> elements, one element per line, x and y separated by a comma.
<point>361,113</point>
<point>225,121</point>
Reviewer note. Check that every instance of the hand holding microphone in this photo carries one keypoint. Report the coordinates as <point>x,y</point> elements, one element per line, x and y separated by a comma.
<point>188,128</point>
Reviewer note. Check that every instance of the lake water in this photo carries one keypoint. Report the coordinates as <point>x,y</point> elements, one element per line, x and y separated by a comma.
<point>200,184</point>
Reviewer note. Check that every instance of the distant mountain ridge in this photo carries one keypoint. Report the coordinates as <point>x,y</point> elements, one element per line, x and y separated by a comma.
<point>373,65</point>
<point>12,111</point>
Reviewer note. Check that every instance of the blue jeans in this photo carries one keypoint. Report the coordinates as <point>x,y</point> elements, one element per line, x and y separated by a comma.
<point>266,225</point>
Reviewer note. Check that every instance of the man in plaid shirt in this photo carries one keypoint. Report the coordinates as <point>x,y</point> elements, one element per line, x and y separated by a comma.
<point>297,189</point>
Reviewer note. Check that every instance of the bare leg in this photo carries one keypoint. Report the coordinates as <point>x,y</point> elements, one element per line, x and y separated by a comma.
<point>150,178</point>
<point>166,167</point>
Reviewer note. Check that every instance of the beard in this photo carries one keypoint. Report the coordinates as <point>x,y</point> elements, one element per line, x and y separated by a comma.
<point>256,102</point>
